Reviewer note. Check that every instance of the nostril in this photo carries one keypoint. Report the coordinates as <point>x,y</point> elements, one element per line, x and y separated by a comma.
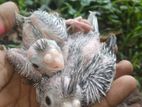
<point>48,101</point>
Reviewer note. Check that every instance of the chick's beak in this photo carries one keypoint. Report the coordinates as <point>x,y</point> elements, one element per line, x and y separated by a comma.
<point>54,60</point>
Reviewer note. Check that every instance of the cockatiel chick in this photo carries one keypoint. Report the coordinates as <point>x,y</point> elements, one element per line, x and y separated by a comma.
<point>87,76</point>
<point>43,36</point>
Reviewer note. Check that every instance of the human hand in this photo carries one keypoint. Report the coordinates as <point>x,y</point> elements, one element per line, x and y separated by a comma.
<point>15,92</point>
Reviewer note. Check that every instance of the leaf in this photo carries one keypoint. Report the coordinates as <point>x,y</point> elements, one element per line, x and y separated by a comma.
<point>29,2</point>
<point>72,11</point>
<point>85,2</point>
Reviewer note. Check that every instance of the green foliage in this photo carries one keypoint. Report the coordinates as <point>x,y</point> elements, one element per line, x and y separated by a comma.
<point>123,17</point>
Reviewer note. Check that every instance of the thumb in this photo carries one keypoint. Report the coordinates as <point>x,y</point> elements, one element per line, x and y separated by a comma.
<point>6,70</point>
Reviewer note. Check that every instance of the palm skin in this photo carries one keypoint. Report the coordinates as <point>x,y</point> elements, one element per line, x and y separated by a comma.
<point>14,91</point>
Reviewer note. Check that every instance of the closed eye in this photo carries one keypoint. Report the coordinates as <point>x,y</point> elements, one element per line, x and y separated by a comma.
<point>35,65</point>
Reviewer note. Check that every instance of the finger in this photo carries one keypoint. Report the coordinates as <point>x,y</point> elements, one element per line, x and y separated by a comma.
<point>120,89</point>
<point>5,70</point>
<point>7,13</point>
<point>124,67</point>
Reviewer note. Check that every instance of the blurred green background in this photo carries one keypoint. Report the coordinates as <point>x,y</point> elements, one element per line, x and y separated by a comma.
<point>122,17</point>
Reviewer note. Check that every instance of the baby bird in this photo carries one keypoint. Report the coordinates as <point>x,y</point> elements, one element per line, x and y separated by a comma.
<point>43,36</point>
<point>82,82</point>
<point>86,77</point>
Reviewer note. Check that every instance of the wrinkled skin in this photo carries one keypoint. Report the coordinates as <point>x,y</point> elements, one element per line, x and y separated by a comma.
<point>16,92</point>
